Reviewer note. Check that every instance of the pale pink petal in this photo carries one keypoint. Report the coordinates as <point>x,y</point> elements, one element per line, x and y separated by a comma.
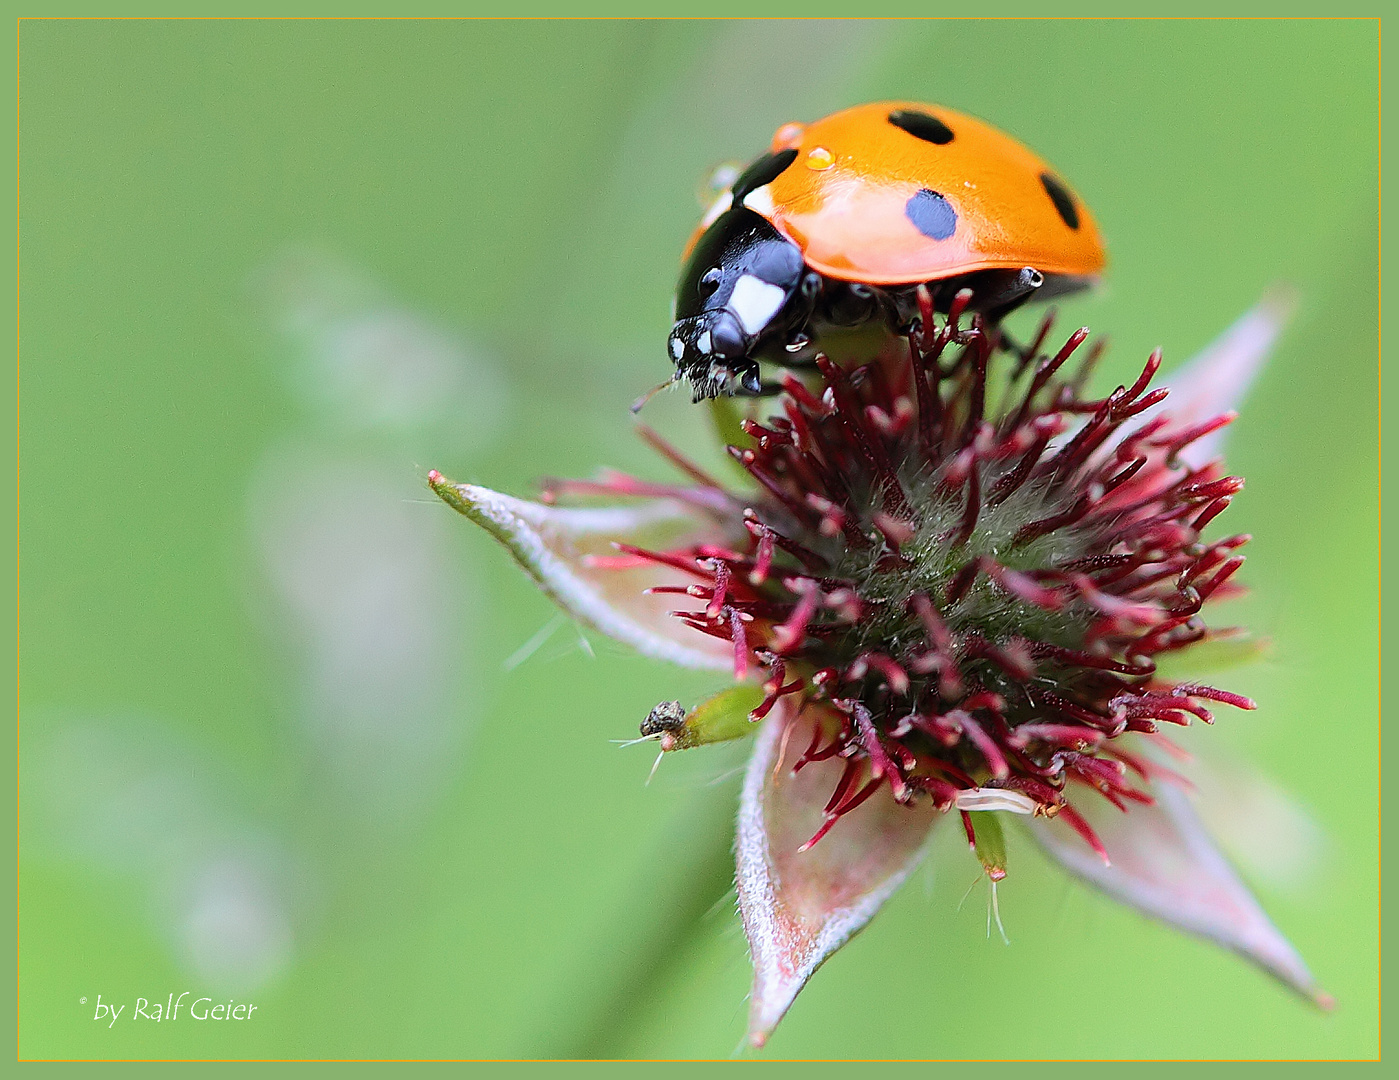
<point>557,546</point>
<point>800,907</point>
<point>1264,829</point>
<point>1165,865</point>
<point>1217,379</point>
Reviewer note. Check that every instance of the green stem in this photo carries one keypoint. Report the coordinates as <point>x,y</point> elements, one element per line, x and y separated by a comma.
<point>701,879</point>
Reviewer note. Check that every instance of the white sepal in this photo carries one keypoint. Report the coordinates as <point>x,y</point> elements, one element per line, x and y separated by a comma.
<point>556,546</point>
<point>799,907</point>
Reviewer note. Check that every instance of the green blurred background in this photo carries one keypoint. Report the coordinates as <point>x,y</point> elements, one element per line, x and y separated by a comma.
<point>280,741</point>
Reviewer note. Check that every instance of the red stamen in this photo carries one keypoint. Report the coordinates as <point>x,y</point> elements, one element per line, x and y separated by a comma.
<point>1076,822</point>
<point>995,760</point>
<point>676,458</point>
<point>1071,735</point>
<point>969,829</point>
<point>788,636</point>
<point>720,591</point>
<point>1213,694</point>
<point>1178,441</point>
<point>740,640</point>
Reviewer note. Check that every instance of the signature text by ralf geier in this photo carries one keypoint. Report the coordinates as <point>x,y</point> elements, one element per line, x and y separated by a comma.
<point>174,1007</point>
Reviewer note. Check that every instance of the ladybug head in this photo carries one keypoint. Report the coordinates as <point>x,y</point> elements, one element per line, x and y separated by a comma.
<point>733,298</point>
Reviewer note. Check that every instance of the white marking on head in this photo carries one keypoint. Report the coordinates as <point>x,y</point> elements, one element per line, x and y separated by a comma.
<point>677,348</point>
<point>755,302</point>
<point>703,342</point>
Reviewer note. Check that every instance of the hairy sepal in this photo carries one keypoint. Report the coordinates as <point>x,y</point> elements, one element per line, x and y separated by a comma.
<point>799,907</point>
<point>1164,864</point>
<point>557,547</point>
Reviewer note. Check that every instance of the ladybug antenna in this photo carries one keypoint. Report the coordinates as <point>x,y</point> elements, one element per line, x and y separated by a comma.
<point>640,403</point>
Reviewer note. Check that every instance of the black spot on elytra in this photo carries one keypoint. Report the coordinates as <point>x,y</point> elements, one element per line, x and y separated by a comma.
<point>931,214</point>
<point>763,171</point>
<point>1062,200</point>
<point>922,126</point>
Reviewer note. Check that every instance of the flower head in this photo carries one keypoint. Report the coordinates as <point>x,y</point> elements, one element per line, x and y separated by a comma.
<point>947,585</point>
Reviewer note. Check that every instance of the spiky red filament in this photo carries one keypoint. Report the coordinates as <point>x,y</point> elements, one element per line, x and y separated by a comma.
<point>966,566</point>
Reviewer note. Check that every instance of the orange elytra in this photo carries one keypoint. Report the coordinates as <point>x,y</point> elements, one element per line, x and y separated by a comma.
<point>1006,208</point>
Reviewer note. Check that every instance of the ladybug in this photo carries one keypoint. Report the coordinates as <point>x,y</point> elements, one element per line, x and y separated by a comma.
<point>843,219</point>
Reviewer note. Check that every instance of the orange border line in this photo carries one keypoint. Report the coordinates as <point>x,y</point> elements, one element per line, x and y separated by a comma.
<point>876,18</point>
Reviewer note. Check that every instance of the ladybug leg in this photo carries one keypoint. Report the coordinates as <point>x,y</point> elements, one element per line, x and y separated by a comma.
<point>903,311</point>
<point>897,306</point>
<point>1012,290</point>
<point>995,293</point>
<point>850,304</point>
<point>801,308</point>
